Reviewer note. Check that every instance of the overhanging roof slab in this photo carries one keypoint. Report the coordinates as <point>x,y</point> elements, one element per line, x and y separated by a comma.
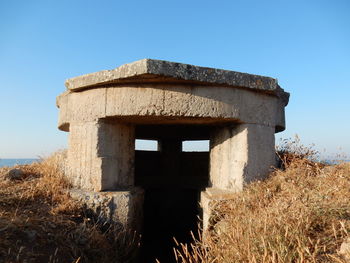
<point>151,70</point>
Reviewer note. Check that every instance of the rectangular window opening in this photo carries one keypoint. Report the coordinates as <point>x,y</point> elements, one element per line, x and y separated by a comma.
<point>195,146</point>
<point>146,145</point>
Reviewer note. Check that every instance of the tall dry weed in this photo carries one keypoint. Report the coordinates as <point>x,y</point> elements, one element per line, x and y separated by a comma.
<point>300,214</point>
<point>39,222</point>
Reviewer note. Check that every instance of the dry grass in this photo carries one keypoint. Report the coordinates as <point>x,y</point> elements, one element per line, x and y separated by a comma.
<point>299,214</point>
<point>40,223</point>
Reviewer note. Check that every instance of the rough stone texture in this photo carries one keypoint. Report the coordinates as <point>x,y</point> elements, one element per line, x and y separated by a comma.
<point>135,101</point>
<point>220,103</point>
<point>123,207</point>
<point>100,155</point>
<point>150,69</point>
<point>155,102</point>
<point>154,89</point>
<point>84,106</point>
<point>241,154</point>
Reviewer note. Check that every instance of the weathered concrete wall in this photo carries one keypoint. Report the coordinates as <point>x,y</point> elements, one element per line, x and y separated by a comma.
<point>123,207</point>
<point>241,154</point>
<point>100,155</point>
<point>173,103</point>
<point>81,107</point>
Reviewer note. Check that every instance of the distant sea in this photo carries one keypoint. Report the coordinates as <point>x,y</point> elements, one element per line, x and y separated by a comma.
<point>335,161</point>
<point>12,162</point>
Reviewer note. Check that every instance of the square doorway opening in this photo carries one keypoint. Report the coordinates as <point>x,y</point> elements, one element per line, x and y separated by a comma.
<point>173,180</point>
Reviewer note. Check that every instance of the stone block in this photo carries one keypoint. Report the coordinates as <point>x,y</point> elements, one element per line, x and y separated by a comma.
<point>208,199</point>
<point>120,207</point>
<point>63,116</point>
<point>151,70</point>
<point>220,103</point>
<point>135,101</point>
<point>88,105</point>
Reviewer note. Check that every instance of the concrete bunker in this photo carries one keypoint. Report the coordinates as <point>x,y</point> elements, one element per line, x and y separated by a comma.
<point>168,102</point>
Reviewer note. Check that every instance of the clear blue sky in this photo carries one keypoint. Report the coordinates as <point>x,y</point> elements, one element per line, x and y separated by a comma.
<point>304,44</point>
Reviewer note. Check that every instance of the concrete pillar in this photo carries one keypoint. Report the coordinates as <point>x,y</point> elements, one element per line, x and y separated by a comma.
<point>171,146</point>
<point>101,155</point>
<point>240,155</point>
<point>171,156</point>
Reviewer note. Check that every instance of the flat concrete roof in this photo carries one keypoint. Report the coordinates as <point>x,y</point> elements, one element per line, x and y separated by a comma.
<point>160,71</point>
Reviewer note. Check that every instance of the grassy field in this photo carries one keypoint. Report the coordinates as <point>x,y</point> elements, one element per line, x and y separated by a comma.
<point>299,214</point>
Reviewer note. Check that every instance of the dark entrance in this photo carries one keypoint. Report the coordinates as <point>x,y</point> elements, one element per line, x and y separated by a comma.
<point>172,180</point>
